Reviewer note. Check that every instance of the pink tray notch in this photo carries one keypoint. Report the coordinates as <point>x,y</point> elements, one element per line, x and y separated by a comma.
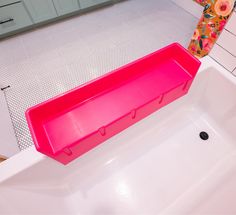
<point>69,125</point>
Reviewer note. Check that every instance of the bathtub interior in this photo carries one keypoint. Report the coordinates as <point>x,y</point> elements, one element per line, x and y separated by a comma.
<point>159,165</point>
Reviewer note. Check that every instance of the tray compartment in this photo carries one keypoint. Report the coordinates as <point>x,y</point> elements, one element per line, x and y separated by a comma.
<point>71,124</point>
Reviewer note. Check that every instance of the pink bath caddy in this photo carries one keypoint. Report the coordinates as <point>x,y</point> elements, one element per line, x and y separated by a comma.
<point>69,125</point>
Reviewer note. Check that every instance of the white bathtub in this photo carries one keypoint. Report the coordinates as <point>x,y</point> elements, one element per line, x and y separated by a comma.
<point>158,166</point>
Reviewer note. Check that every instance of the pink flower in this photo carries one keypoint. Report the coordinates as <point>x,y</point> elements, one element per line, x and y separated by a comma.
<point>200,1</point>
<point>224,7</point>
<point>196,34</point>
<point>207,44</point>
<point>222,25</point>
<point>193,48</point>
<point>214,35</point>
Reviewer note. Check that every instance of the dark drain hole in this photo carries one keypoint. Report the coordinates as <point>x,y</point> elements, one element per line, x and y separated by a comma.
<point>204,136</point>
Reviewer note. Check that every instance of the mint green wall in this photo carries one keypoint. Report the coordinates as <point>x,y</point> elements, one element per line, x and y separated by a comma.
<point>89,3</point>
<point>13,17</point>
<point>17,16</point>
<point>66,6</point>
<point>40,10</point>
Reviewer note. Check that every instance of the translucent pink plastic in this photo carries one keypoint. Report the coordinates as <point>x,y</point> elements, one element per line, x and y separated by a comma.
<point>71,124</point>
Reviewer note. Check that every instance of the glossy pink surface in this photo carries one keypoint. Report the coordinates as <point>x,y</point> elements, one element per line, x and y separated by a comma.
<point>69,125</point>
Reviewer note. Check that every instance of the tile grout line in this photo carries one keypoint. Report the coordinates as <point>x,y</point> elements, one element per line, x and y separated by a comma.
<point>230,32</point>
<point>234,71</point>
<point>226,50</point>
<point>221,64</point>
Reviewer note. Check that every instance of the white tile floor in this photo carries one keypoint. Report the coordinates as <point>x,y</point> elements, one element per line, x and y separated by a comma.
<point>53,59</point>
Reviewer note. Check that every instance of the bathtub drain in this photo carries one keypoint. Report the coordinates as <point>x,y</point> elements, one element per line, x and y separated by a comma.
<point>204,135</point>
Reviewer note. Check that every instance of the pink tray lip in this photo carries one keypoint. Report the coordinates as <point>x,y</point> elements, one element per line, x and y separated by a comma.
<point>55,153</point>
<point>27,112</point>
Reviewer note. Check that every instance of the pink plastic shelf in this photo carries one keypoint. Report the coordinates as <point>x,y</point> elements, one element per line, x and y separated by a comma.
<point>71,124</point>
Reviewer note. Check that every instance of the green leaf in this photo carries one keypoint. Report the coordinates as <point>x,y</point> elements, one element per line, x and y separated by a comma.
<point>207,7</point>
<point>208,16</point>
<point>204,36</point>
<point>200,44</point>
